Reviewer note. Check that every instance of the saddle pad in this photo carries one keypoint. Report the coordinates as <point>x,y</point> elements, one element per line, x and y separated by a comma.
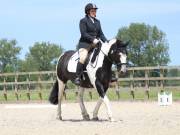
<point>72,64</point>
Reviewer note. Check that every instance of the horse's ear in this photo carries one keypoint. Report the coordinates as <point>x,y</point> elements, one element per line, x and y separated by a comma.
<point>127,43</point>
<point>121,43</point>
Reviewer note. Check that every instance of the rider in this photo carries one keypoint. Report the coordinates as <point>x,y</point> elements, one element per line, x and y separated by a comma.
<point>91,34</point>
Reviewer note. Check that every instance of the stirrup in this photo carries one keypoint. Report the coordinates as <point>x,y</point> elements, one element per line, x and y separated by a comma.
<point>77,81</point>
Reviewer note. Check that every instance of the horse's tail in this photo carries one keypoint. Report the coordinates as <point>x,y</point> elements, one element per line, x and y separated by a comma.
<point>53,98</point>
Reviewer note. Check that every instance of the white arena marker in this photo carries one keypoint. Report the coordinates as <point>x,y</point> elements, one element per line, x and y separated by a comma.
<point>31,106</point>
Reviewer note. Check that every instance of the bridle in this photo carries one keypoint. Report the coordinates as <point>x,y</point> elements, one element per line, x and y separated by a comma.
<point>110,60</point>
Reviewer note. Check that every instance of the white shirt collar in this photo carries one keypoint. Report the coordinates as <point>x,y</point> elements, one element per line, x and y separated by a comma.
<point>92,19</point>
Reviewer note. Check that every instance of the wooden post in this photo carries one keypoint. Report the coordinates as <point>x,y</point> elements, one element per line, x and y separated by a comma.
<point>117,87</point>
<point>4,89</point>
<point>16,87</point>
<point>90,94</point>
<point>132,84</point>
<point>52,79</point>
<point>28,87</point>
<point>146,84</point>
<point>39,87</point>
<point>162,81</point>
<point>76,92</point>
<point>64,94</point>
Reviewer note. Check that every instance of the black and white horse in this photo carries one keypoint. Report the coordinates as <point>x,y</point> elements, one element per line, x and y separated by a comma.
<point>97,75</point>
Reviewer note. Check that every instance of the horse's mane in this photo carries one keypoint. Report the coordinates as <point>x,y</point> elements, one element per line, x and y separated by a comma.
<point>107,46</point>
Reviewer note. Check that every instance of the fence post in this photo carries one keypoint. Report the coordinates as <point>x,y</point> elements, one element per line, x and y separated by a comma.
<point>161,76</point>
<point>28,87</point>
<point>117,86</point>
<point>90,93</point>
<point>52,79</point>
<point>64,94</point>
<point>146,84</point>
<point>76,92</point>
<point>4,89</point>
<point>132,83</point>
<point>16,87</point>
<point>39,86</point>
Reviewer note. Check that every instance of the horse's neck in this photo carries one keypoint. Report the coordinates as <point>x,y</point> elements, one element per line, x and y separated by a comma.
<point>107,65</point>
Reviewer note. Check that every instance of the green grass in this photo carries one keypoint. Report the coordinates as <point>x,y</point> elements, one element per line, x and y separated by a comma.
<point>71,96</point>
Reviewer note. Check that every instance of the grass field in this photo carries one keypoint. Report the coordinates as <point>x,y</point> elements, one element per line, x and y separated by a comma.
<point>71,96</point>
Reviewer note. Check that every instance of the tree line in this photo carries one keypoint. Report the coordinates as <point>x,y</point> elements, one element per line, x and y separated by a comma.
<point>42,56</point>
<point>148,47</point>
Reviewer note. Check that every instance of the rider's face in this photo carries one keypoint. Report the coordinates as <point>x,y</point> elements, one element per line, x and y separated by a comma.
<point>92,12</point>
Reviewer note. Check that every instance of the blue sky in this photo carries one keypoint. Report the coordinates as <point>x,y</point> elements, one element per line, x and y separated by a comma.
<point>57,21</point>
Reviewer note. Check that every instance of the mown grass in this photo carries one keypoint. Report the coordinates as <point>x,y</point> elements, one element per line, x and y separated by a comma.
<point>71,95</point>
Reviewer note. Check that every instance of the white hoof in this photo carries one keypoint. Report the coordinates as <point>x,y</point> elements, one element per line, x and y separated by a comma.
<point>59,117</point>
<point>111,119</point>
<point>95,118</point>
<point>86,117</point>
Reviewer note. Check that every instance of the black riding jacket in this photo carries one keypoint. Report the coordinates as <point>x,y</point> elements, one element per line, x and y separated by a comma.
<point>90,31</point>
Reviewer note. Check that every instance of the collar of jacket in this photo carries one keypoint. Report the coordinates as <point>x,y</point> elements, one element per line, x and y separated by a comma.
<point>91,18</point>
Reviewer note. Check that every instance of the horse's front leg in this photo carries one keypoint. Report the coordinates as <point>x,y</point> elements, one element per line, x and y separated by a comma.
<point>85,115</point>
<point>103,98</point>
<point>61,87</point>
<point>96,109</point>
<point>107,104</point>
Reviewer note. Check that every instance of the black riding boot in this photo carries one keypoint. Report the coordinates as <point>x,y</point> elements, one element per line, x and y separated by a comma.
<point>79,71</point>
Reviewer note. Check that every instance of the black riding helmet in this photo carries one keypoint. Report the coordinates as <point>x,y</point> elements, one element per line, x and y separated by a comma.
<point>90,6</point>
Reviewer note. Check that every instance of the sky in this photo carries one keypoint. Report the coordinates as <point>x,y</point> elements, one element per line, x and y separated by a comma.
<point>57,21</point>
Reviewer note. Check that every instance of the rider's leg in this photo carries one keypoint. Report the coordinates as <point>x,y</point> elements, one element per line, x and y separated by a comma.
<point>82,57</point>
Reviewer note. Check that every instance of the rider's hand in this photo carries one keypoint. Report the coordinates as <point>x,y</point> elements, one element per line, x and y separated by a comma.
<point>107,41</point>
<point>95,41</point>
<point>98,45</point>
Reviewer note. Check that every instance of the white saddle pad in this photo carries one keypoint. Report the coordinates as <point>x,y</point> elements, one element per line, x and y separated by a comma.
<point>72,64</point>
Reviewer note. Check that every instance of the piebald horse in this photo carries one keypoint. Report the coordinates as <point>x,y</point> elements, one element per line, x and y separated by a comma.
<point>97,75</point>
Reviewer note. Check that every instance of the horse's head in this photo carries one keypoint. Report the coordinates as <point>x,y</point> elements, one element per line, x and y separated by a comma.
<point>118,54</point>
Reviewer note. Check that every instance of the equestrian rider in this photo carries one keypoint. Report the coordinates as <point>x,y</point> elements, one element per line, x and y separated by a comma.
<point>91,34</point>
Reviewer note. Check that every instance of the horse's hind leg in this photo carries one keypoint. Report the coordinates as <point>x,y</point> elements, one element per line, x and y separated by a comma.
<point>85,115</point>
<point>61,86</point>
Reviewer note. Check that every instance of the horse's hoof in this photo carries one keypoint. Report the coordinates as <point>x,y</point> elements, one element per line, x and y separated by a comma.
<point>86,117</point>
<point>59,118</point>
<point>111,119</point>
<point>95,119</point>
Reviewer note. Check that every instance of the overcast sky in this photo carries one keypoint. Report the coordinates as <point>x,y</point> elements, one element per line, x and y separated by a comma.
<point>57,21</point>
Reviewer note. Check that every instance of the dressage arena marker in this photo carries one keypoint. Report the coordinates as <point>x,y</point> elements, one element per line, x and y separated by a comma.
<point>164,98</point>
<point>31,106</point>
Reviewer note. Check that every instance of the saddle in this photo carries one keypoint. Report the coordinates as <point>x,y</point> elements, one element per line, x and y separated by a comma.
<point>91,59</point>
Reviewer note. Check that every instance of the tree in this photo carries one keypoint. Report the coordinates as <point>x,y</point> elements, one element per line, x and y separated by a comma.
<point>148,45</point>
<point>43,56</point>
<point>8,55</point>
<point>27,65</point>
